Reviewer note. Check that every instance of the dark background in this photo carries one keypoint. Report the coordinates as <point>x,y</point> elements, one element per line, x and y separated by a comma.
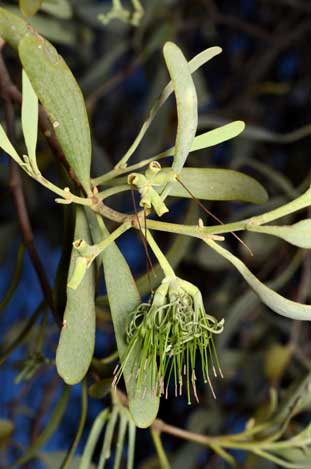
<point>263,78</point>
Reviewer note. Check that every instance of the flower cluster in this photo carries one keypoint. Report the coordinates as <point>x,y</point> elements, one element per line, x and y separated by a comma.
<point>171,332</point>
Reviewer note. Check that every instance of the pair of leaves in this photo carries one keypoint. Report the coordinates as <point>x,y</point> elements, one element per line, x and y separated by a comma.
<point>123,299</point>
<point>30,7</point>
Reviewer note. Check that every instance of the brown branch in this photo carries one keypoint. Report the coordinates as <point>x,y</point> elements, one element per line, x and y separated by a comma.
<point>18,193</point>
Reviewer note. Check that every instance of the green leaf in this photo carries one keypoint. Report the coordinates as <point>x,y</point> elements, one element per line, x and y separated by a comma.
<point>12,27</point>
<point>68,459</point>
<point>6,429</point>
<point>100,389</point>
<point>59,8</point>
<point>194,64</point>
<point>51,427</point>
<point>76,344</point>
<point>278,304</point>
<point>123,299</point>
<point>300,457</point>
<point>29,7</point>
<point>93,438</point>
<point>219,184</point>
<point>186,100</point>
<point>30,110</point>
<point>211,138</point>
<point>61,97</point>
<point>298,234</point>
<point>7,146</point>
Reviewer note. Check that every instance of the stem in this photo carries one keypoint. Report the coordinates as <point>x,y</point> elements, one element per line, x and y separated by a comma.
<point>112,191</point>
<point>164,463</point>
<point>165,265</point>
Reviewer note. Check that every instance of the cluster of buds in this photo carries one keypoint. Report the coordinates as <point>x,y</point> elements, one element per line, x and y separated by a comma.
<point>150,184</point>
<point>172,331</point>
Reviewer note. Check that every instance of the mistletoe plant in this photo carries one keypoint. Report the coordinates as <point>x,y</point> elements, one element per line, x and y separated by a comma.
<point>160,340</point>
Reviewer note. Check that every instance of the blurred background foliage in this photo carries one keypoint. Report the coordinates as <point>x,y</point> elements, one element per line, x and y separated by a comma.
<point>263,78</point>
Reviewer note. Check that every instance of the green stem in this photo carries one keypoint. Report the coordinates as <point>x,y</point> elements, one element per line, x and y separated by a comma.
<point>84,402</point>
<point>165,265</point>
<point>112,191</point>
<point>199,232</point>
<point>164,463</point>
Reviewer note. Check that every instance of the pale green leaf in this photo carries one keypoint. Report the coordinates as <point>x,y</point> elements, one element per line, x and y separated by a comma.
<point>61,97</point>
<point>298,234</point>
<point>93,438</point>
<point>12,27</point>
<point>58,8</point>
<point>7,146</point>
<point>300,457</point>
<point>76,344</point>
<point>194,64</point>
<point>186,100</point>
<point>30,110</point>
<point>123,299</point>
<point>29,7</point>
<point>278,304</point>
<point>211,138</point>
<point>218,184</point>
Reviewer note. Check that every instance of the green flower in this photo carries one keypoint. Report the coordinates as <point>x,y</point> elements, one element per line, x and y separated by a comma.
<point>172,331</point>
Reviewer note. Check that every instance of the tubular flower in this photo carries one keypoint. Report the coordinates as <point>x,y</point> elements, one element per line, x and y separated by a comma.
<point>171,331</point>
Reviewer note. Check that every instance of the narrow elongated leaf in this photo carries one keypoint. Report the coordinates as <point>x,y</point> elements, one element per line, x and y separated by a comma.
<point>219,184</point>
<point>76,344</point>
<point>12,27</point>
<point>30,110</point>
<point>298,234</point>
<point>278,304</point>
<point>123,299</point>
<point>186,100</point>
<point>194,64</point>
<point>93,438</point>
<point>61,97</point>
<point>7,146</point>
<point>211,138</point>
<point>29,7</point>
<point>299,457</point>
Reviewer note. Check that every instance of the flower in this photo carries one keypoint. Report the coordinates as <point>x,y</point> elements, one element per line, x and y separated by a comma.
<point>171,331</point>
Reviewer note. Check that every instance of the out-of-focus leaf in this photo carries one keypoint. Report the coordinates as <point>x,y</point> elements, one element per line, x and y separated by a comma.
<point>61,97</point>
<point>6,429</point>
<point>12,27</point>
<point>100,389</point>
<point>298,234</point>
<point>276,361</point>
<point>300,457</point>
<point>76,344</point>
<point>122,302</point>
<point>258,133</point>
<point>218,184</point>
<point>46,433</point>
<point>16,278</point>
<point>53,459</point>
<point>212,137</point>
<point>59,8</point>
<point>29,7</point>
<point>278,304</point>
<point>30,110</point>
<point>186,100</point>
